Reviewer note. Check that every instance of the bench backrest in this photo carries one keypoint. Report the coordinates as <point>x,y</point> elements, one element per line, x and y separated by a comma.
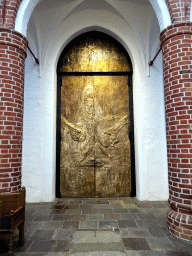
<point>11,201</point>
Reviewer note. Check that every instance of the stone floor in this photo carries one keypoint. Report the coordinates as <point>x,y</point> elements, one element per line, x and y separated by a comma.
<point>98,227</point>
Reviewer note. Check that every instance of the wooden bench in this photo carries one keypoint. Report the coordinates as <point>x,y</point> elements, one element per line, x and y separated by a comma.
<point>12,216</point>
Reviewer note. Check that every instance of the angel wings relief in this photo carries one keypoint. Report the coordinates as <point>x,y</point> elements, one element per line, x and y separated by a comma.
<point>95,151</point>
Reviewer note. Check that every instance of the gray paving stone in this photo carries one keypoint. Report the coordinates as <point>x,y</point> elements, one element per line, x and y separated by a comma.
<point>63,234</point>
<point>96,247</point>
<point>136,244</point>
<point>41,246</point>
<point>107,224</point>
<point>71,224</point>
<point>126,223</point>
<point>88,224</point>
<point>102,206</point>
<point>42,235</point>
<point>160,243</point>
<point>135,233</point>
<point>109,253</point>
<point>94,217</point>
<point>129,216</point>
<point>52,225</point>
<point>96,237</point>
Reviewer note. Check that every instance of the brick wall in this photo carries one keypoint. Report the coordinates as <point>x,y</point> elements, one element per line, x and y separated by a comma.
<point>179,10</point>
<point>177,63</point>
<point>8,12</point>
<point>12,59</point>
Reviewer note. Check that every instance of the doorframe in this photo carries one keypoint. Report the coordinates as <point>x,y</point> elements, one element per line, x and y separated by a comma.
<point>58,119</point>
<point>131,122</point>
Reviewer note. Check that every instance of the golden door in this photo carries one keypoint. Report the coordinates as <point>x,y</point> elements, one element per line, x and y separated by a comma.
<point>95,146</point>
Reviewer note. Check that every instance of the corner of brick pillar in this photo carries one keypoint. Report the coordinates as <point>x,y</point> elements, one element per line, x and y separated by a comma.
<point>177,66</point>
<point>12,58</point>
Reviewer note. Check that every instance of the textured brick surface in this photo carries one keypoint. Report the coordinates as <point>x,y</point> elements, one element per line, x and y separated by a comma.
<point>179,10</point>
<point>8,12</point>
<point>177,63</point>
<point>12,59</point>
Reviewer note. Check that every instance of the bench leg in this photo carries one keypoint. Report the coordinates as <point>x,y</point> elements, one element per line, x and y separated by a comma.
<point>21,234</point>
<point>10,245</point>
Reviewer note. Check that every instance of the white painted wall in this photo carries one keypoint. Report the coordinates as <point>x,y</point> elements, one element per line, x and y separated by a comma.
<point>52,25</point>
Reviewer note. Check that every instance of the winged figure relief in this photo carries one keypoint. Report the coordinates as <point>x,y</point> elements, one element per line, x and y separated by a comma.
<point>86,133</point>
<point>76,133</point>
<point>109,136</point>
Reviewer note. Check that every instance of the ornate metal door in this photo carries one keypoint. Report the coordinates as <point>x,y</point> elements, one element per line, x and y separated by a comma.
<point>95,147</point>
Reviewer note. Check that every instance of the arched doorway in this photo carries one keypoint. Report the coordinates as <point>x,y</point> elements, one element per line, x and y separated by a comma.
<point>95,140</point>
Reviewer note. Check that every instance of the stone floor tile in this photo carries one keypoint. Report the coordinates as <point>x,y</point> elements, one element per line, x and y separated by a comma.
<point>143,216</point>
<point>159,243</point>
<point>43,218</point>
<point>144,204</point>
<point>112,216</point>
<point>70,224</point>
<point>61,246</point>
<point>90,217</point>
<point>156,231</point>
<point>77,217</point>
<point>86,206</point>
<point>135,233</point>
<point>177,253</point>
<point>42,211</point>
<point>129,216</point>
<point>60,217</point>
<point>89,201</point>
<point>58,211</point>
<point>73,211</point>
<point>131,206</point>
<point>102,206</point>
<point>75,202</point>
<point>53,225</point>
<point>145,223</point>
<point>154,210</point>
<point>57,254</point>
<point>180,244</point>
<point>63,234</point>
<point>42,235</point>
<point>100,253</point>
<point>101,201</point>
<point>108,224</point>
<point>126,223</point>
<point>88,224</point>
<point>29,211</point>
<point>89,211</point>
<point>96,237</point>
<point>96,247</point>
<point>41,246</point>
<point>58,206</point>
<point>29,217</point>
<point>136,244</point>
<point>158,205</point>
<point>62,201</point>
<point>32,225</point>
<point>104,211</point>
<point>136,210</point>
<point>72,206</point>
<point>120,210</point>
<point>144,253</point>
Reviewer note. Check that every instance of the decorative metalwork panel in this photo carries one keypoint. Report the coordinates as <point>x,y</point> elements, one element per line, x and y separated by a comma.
<point>95,147</point>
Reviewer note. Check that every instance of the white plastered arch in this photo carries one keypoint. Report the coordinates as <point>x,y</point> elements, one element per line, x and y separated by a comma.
<point>27,6</point>
<point>38,169</point>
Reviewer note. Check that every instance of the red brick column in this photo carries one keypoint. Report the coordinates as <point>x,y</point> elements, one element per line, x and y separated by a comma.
<point>177,64</point>
<point>179,10</point>
<point>12,58</point>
